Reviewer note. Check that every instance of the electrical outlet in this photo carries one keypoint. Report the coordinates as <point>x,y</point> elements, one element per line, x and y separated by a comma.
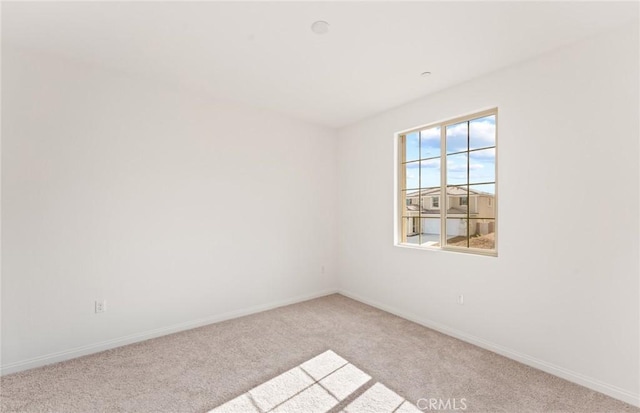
<point>101,306</point>
<point>461,299</point>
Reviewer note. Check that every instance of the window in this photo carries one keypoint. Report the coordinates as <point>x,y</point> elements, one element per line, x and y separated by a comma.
<point>454,161</point>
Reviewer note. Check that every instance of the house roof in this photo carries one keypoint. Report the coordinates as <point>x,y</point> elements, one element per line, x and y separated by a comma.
<point>451,190</point>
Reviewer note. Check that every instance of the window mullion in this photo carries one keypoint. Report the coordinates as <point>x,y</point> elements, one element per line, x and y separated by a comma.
<point>419,188</point>
<point>468,188</point>
<point>443,186</point>
<point>401,185</point>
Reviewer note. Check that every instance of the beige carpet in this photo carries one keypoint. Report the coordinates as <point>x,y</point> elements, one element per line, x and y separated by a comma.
<point>319,385</point>
<point>201,369</point>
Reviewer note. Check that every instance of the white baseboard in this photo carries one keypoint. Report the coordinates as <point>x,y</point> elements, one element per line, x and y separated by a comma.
<point>134,338</point>
<point>572,376</point>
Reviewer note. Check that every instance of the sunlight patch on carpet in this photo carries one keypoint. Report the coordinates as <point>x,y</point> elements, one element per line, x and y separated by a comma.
<point>317,386</point>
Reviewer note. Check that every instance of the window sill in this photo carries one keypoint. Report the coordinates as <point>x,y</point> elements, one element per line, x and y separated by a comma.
<point>472,251</point>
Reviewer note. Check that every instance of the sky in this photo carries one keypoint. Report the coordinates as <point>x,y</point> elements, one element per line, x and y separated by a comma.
<point>423,148</point>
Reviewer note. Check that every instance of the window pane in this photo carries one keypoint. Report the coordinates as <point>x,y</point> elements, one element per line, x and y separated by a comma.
<point>455,196</point>
<point>430,173</point>
<point>412,175</point>
<point>488,188</point>
<point>430,232</point>
<point>457,169</point>
<point>412,147</point>
<point>411,230</point>
<point>482,200</point>
<point>483,234</point>
<point>429,202</point>
<point>457,137</point>
<point>430,142</point>
<point>482,132</point>
<point>411,203</point>
<point>457,232</point>
<point>482,166</point>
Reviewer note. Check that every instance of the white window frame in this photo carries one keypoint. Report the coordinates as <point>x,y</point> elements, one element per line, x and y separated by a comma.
<point>400,178</point>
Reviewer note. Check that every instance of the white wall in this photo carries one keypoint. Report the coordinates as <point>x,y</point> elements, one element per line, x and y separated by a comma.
<point>172,208</point>
<point>563,293</point>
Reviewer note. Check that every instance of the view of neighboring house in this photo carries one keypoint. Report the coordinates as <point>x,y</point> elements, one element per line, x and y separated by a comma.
<point>423,208</point>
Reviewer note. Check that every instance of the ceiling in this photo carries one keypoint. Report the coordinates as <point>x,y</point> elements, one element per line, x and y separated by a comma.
<point>264,53</point>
